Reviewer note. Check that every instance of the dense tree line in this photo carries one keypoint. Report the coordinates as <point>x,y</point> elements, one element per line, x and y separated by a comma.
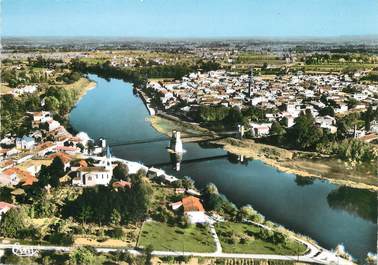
<point>372,76</point>
<point>13,119</point>
<point>229,117</point>
<point>138,76</point>
<point>106,205</point>
<point>59,100</point>
<point>44,62</point>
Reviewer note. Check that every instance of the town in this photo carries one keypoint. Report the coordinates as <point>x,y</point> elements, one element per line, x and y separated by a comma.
<point>285,98</point>
<point>65,192</point>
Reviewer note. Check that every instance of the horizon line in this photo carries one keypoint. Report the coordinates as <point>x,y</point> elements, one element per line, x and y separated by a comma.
<point>308,37</point>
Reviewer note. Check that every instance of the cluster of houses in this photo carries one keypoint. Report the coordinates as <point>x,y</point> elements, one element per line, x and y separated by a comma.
<point>128,61</point>
<point>29,89</point>
<point>284,98</point>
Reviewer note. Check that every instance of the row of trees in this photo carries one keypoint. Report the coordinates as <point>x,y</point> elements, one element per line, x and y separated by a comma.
<point>139,75</point>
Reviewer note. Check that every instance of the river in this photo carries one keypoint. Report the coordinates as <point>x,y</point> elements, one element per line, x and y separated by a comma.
<point>328,213</point>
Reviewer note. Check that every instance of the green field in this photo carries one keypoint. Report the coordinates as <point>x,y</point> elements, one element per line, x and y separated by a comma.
<point>246,240</point>
<point>163,236</point>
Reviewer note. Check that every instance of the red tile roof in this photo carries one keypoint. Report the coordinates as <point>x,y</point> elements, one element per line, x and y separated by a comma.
<point>192,204</point>
<point>121,183</point>
<point>5,205</point>
<point>65,157</point>
<point>25,177</point>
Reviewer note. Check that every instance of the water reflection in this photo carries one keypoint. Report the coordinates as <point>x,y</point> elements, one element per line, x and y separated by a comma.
<point>176,159</point>
<point>237,159</point>
<point>355,201</point>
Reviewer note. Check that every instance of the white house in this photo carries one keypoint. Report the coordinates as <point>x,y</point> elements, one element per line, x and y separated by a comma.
<point>374,126</point>
<point>324,121</point>
<point>25,142</point>
<point>259,130</point>
<point>41,116</point>
<point>52,125</point>
<point>194,210</point>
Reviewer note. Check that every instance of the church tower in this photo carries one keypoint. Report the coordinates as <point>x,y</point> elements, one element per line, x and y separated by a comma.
<point>108,159</point>
<point>250,82</point>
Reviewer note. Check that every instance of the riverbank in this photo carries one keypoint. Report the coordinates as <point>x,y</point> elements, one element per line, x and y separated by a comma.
<point>287,161</point>
<point>81,87</point>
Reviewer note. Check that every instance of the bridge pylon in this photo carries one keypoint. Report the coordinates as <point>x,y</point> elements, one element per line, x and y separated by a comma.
<point>241,131</point>
<point>176,142</point>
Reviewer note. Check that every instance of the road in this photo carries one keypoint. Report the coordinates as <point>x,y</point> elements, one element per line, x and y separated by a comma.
<point>322,257</point>
<point>315,253</point>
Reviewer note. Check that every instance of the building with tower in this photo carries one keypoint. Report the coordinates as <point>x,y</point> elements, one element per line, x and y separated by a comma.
<point>99,174</point>
<point>250,82</point>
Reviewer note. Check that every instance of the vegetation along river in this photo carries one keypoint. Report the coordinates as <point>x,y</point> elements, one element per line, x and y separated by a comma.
<point>328,213</point>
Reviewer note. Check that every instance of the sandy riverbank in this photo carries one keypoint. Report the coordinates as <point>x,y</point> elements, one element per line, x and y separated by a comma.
<point>82,86</point>
<point>333,170</point>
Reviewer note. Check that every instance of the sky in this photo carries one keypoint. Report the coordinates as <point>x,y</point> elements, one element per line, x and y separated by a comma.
<point>189,18</point>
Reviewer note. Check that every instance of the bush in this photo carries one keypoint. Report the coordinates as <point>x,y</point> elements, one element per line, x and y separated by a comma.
<point>13,223</point>
<point>83,255</point>
<point>61,239</point>
<point>117,232</point>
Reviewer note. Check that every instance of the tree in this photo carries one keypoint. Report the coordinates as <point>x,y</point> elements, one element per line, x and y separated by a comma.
<point>187,183</point>
<point>327,111</point>
<point>140,199</point>
<point>304,134</point>
<point>115,218</point>
<point>277,131</point>
<point>369,115</point>
<point>352,103</point>
<point>44,206</point>
<point>83,255</point>
<point>56,171</point>
<point>246,212</point>
<point>6,194</point>
<point>211,189</point>
<point>149,249</point>
<point>43,177</point>
<point>86,213</point>
<point>52,104</point>
<point>13,222</point>
<point>121,171</point>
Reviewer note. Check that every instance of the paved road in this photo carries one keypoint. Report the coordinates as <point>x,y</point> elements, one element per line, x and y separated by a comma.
<point>325,257</point>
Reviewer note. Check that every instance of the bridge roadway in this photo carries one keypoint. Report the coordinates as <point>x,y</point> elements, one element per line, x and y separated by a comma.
<point>195,160</point>
<point>218,136</point>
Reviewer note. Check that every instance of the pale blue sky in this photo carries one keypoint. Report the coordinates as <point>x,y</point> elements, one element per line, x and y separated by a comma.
<point>189,18</point>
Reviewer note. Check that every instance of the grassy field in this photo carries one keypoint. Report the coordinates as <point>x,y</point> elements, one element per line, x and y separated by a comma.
<point>246,240</point>
<point>163,236</point>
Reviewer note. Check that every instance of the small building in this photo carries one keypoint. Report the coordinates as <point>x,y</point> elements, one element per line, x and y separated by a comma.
<point>66,159</point>
<point>5,207</point>
<point>52,125</point>
<point>194,210</point>
<point>25,142</point>
<point>260,130</point>
<point>121,184</point>
<point>14,176</point>
<point>100,174</point>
